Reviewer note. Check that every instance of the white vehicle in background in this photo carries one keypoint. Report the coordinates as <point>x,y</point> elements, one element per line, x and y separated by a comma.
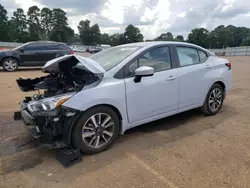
<point>88,102</point>
<point>105,46</point>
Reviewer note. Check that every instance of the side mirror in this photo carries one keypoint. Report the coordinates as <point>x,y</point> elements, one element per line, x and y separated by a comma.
<point>21,50</point>
<point>143,71</point>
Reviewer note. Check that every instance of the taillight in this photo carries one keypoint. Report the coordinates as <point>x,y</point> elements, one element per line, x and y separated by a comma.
<point>228,65</point>
<point>71,52</point>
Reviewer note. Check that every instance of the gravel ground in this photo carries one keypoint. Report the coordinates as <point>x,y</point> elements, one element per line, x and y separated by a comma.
<point>185,150</point>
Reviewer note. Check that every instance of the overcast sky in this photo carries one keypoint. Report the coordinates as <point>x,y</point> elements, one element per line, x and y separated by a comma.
<point>153,17</point>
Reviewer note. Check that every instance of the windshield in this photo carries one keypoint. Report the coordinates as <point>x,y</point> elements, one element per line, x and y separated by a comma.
<point>111,57</point>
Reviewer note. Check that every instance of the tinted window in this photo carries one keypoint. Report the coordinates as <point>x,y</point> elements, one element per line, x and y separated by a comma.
<point>51,46</point>
<point>158,58</point>
<point>203,56</point>
<point>63,47</point>
<point>34,47</point>
<point>187,56</point>
<point>55,46</point>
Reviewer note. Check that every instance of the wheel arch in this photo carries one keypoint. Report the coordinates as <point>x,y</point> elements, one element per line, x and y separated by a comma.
<point>221,84</point>
<point>12,58</point>
<point>81,113</point>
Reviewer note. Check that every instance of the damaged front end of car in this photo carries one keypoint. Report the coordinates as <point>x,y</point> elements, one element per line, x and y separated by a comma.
<point>43,114</point>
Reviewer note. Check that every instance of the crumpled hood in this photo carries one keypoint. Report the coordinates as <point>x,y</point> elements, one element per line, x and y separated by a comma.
<point>84,62</point>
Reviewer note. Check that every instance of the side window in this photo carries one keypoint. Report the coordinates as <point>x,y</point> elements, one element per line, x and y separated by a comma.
<point>187,56</point>
<point>203,56</point>
<point>51,46</point>
<point>158,58</point>
<point>34,47</point>
<point>55,46</point>
<point>63,47</point>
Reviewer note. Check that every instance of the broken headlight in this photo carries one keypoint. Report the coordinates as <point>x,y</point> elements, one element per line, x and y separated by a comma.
<point>48,103</point>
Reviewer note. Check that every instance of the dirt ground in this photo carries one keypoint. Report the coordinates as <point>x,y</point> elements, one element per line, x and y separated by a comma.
<point>185,150</point>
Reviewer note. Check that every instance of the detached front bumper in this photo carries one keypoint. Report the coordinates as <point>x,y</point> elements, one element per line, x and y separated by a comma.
<point>53,129</point>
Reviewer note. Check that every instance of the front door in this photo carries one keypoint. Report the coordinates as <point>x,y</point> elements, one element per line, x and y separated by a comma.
<point>32,54</point>
<point>154,95</point>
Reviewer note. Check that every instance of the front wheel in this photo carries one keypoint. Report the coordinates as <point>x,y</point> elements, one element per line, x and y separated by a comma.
<point>10,64</point>
<point>214,100</point>
<point>96,130</point>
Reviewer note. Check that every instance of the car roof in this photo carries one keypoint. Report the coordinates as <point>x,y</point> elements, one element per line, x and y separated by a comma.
<point>45,41</point>
<point>154,43</point>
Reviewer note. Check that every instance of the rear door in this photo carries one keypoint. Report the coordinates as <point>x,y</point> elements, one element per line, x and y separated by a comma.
<point>195,76</point>
<point>50,52</point>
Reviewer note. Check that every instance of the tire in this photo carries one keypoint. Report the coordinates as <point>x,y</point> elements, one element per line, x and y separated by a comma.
<point>85,127</point>
<point>208,106</point>
<point>10,64</point>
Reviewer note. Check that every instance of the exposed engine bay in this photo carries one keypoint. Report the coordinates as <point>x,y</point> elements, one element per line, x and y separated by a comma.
<point>68,79</point>
<point>42,113</point>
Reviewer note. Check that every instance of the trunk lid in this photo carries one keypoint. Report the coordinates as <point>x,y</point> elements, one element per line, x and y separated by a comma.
<point>77,61</point>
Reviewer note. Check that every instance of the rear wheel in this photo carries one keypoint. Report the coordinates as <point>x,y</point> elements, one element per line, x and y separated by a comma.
<point>96,130</point>
<point>10,64</point>
<point>214,100</point>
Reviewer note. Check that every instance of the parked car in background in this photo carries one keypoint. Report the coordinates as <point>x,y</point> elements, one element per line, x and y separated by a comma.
<point>88,102</point>
<point>33,54</point>
<point>95,50</point>
<point>81,49</point>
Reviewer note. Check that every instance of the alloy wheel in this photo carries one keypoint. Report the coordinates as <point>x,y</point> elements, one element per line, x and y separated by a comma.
<point>215,99</point>
<point>10,64</point>
<point>98,130</point>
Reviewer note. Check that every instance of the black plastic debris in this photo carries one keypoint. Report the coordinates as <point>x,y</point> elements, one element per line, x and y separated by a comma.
<point>68,157</point>
<point>17,116</point>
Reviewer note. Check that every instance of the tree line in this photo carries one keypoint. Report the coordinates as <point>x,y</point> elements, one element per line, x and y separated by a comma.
<point>47,24</point>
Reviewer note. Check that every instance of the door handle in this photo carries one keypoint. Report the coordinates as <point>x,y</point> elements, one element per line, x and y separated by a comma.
<point>208,67</point>
<point>170,78</point>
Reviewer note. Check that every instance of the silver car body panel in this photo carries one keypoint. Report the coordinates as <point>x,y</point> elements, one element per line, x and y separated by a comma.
<point>88,64</point>
<point>155,97</point>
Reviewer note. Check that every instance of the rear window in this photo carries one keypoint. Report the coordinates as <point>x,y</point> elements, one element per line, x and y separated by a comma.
<point>55,46</point>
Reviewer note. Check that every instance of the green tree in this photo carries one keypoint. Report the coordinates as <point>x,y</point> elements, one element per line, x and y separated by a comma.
<point>75,39</point>
<point>115,39</point>
<point>133,34</point>
<point>85,31</point>
<point>90,35</point>
<point>165,37</point>
<point>123,39</point>
<point>238,34</point>
<point>199,36</point>
<point>95,34</point>
<point>60,31</point>
<point>46,23</point>
<point>246,42</point>
<point>106,38</point>
<point>4,36</point>
<point>220,37</point>
<point>179,38</point>
<point>34,23</point>
<point>18,27</point>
